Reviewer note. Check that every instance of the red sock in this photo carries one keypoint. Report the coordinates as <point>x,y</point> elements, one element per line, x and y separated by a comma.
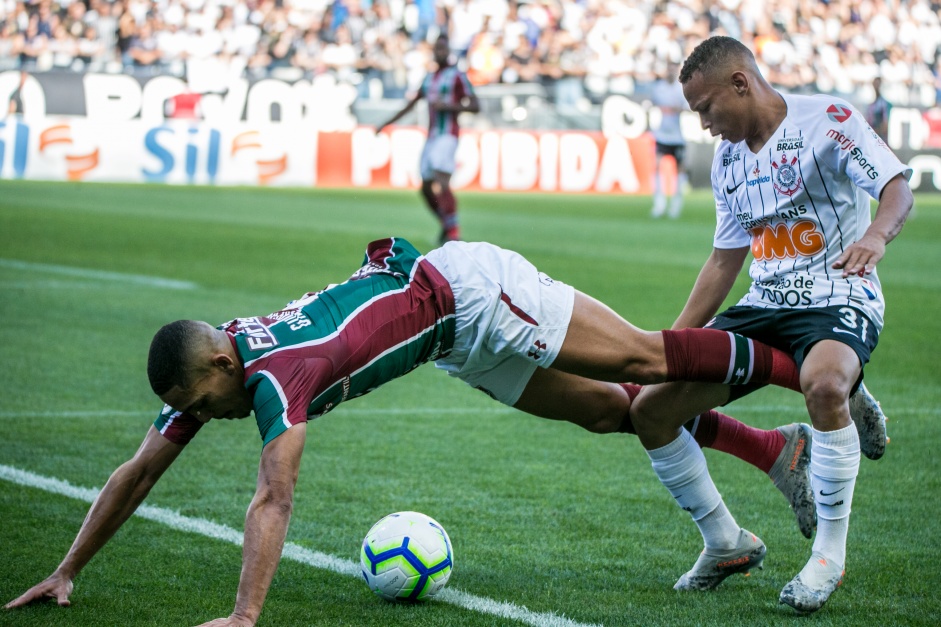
<point>447,209</point>
<point>715,356</point>
<point>718,431</point>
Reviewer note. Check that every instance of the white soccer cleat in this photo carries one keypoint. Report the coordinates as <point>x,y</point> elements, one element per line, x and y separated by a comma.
<point>714,565</point>
<point>813,585</point>
<point>791,475</point>
<point>870,423</point>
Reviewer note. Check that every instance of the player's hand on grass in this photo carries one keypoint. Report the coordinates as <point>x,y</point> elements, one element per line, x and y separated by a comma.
<point>861,257</point>
<point>230,621</point>
<point>55,587</point>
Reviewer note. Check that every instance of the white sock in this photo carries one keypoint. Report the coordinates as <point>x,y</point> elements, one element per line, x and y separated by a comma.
<point>681,468</point>
<point>834,464</point>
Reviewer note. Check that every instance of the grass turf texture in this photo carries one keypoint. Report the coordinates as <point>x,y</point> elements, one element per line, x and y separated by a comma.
<point>541,514</point>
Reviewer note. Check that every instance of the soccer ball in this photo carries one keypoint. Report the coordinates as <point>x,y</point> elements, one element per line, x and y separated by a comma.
<point>406,556</point>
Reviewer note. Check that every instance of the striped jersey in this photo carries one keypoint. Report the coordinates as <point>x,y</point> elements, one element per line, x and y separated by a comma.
<point>801,201</point>
<point>448,85</point>
<point>394,314</point>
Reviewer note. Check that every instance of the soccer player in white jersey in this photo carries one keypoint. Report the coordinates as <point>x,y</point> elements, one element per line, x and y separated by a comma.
<point>667,95</point>
<point>449,93</point>
<point>792,180</point>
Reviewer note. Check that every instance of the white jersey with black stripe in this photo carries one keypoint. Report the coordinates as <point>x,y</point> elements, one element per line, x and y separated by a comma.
<point>800,201</point>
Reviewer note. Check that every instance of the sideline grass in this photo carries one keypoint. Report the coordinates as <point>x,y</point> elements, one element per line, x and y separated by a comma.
<point>541,514</point>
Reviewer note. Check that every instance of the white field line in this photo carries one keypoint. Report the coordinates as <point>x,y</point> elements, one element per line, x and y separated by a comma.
<point>98,275</point>
<point>292,551</point>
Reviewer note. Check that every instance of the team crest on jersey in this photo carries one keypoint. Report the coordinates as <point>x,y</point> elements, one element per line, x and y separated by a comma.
<point>786,179</point>
<point>839,113</point>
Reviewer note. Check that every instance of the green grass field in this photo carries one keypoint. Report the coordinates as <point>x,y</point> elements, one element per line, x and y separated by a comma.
<point>544,518</point>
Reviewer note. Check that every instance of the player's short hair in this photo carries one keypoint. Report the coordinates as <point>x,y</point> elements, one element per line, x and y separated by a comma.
<point>713,54</point>
<point>169,363</point>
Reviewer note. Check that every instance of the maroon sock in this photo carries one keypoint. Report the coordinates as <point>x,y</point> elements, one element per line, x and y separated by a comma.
<point>447,208</point>
<point>715,430</point>
<point>714,356</point>
<point>718,431</point>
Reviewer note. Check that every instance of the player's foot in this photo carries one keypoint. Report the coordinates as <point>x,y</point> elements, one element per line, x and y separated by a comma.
<point>791,475</point>
<point>870,423</point>
<point>813,585</point>
<point>452,234</point>
<point>714,565</point>
<point>659,206</point>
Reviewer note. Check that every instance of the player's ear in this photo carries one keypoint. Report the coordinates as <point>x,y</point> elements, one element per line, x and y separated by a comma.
<point>740,83</point>
<point>223,362</point>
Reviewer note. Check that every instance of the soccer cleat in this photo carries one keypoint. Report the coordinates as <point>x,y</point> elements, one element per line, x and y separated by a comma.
<point>791,475</point>
<point>714,565</point>
<point>813,585</point>
<point>870,423</point>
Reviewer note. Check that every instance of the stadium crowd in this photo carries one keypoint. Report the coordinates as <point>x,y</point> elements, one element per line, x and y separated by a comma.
<point>581,50</point>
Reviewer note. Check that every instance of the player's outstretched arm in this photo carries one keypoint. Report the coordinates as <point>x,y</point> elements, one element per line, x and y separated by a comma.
<point>266,525</point>
<point>895,203</point>
<point>713,284</point>
<point>398,116</point>
<point>125,490</point>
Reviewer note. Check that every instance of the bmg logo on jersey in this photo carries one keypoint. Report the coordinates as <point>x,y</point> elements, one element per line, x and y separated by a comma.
<point>780,241</point>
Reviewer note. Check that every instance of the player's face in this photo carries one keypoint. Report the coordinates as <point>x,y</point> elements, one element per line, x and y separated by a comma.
<point>442,52</point>
<point>218,392</point>
<point>719,106</point>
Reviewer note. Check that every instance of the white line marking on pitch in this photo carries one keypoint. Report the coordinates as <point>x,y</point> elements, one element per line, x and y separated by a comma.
<point>99,275</point>
<point>292,551</point>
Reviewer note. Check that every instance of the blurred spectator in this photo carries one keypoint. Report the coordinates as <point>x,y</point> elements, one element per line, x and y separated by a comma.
<point>583,48</point>
<point>142,50</point>
<point>15,103</point>
<point>877,113</point>
<point>485,60</point>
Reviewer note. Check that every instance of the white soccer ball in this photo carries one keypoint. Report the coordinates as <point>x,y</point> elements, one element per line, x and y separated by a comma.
<point>407,556</point>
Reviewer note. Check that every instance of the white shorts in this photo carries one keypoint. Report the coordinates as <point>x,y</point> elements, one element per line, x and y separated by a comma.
<point>438,155</point>
<point>510,318</point>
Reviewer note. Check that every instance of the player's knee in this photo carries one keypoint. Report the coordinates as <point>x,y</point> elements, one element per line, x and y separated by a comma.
<point>825,393</point>
<point>610,409</point>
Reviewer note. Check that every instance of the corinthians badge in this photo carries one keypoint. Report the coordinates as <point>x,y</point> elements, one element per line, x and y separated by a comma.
<point>786,179</point>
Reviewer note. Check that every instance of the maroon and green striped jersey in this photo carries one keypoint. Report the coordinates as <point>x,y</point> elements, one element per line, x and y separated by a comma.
<point>394,314</point>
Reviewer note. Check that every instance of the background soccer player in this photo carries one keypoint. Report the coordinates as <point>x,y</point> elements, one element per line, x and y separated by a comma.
<point>449,94</point>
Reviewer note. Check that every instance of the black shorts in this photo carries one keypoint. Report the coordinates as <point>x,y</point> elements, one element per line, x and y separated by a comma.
<point>795,331</point>
<point>677,152</point>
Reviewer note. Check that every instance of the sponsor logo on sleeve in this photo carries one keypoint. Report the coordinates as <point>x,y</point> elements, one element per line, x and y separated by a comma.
<point>839,113</point>
<point>856,153</point>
